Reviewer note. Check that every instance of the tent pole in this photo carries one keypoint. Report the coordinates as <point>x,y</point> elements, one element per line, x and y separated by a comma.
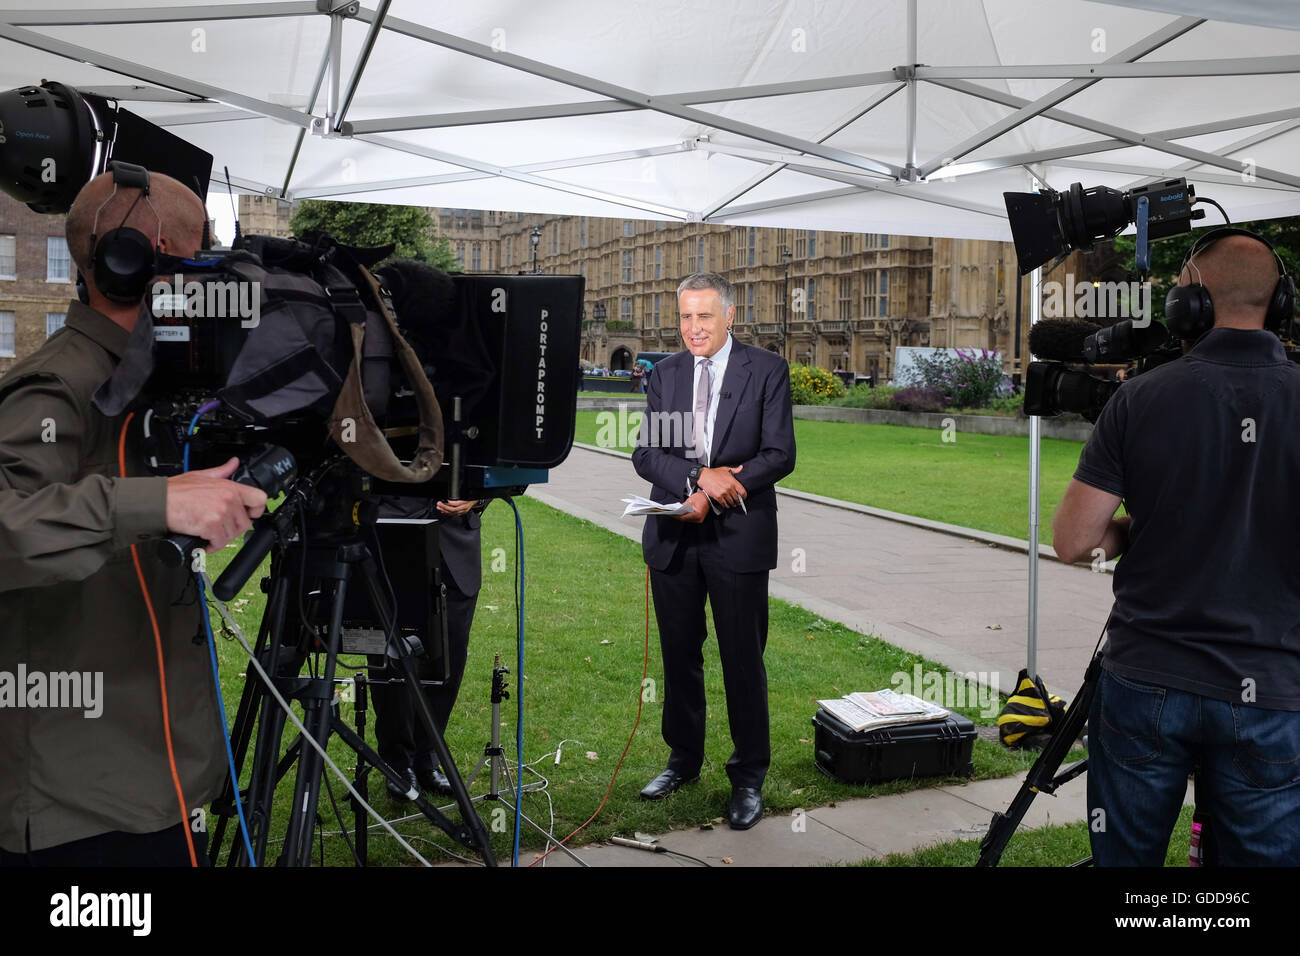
<point>1035,461</point>
<point>311,105</point>
<point>911,92</point>
<point>1148,44</point>
<point>362,59</point>
<point>336,66</point>
<point>637,98</point>
<point>1149,140</point>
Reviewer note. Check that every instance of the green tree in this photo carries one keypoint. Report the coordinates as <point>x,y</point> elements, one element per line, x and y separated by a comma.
<point>409,228</point>
<point>1167,254</point>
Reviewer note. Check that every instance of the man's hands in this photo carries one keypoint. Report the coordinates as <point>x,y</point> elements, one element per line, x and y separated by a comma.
<point>721,485</point>
<point>699,503</point>
<point>454,507</point>
<point>208,505</point>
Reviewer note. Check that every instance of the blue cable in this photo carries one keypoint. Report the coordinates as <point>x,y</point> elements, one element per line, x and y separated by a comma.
<point>519,681</point>
<point>230,756</point>
<point>216,676</point>
<point>185,456</point>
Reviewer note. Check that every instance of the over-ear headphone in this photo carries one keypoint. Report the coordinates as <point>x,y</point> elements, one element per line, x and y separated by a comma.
<point>1189,311</point>
<point>124,261</point>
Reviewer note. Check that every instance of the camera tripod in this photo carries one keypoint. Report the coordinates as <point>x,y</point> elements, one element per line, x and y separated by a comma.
<point>331,558</point>
<point>1043,778</point>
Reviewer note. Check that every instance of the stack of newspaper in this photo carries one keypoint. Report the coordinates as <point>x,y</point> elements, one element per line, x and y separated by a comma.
<point>882,708</point>
<point>637,506</point>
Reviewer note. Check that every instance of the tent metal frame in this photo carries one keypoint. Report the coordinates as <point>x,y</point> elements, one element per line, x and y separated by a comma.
<point>711,132</point>
<point>772,149</point>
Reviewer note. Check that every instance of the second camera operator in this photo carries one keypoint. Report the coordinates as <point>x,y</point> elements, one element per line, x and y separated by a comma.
<point>1202,665</point>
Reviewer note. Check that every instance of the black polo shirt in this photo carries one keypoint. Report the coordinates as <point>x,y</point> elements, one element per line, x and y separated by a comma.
<point>1205,451</point>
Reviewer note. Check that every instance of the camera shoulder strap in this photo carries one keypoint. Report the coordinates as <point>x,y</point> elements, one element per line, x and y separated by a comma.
<point>364,442</point>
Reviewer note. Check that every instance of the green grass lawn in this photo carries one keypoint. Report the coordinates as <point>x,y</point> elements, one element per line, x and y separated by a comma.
<point>585,641</point>
<point>978,481</point>
<point>1047,846</point>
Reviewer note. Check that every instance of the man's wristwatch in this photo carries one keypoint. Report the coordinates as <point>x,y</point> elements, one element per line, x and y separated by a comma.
<point>694,477</point>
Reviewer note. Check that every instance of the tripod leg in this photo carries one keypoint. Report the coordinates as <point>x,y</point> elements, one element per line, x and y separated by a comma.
<point>361,831</point>
<point>458,832</point>
<point>317,705</point>
<point>270,726</point>
<point>241,735</point>
<point>424,714</point>
<point>1041,775</point>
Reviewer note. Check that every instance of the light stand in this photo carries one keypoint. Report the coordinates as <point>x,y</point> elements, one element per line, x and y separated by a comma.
<point>785,299</point>
<point>494,755</point>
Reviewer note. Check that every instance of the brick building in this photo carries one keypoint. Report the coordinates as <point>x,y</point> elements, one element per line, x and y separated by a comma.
<point>37,279</point>
<point>264,216</point>
<point>835,299</point>
<point>839,300</point>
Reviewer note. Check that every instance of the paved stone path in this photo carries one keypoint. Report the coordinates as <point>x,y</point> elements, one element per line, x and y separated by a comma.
<point>957,596</point>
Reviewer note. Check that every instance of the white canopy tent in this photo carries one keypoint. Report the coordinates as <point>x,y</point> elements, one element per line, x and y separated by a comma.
<point>804,113</point>
<point>898,116</point>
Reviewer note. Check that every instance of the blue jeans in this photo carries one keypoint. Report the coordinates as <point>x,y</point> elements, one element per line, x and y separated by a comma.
<point>1143,743</point>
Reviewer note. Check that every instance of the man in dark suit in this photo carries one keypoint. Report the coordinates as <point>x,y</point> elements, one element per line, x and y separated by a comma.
<point>403,741</point>
<point>718,431</point>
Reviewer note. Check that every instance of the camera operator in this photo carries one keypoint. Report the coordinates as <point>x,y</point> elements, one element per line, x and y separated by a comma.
<point>116,782</point>
<point>1202,665</point>
<point>403,742</point>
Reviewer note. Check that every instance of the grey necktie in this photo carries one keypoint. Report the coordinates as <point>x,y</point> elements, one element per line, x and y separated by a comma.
<point>700,420</point>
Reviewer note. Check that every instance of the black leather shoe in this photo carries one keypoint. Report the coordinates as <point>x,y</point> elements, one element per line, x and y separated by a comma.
<point>396,793</point>
<point>670,781</point>
<point>435,781</point>
<point>746,808</point>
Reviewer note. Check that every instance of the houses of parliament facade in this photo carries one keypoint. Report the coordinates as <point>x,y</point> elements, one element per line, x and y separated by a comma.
<point>834,299</point>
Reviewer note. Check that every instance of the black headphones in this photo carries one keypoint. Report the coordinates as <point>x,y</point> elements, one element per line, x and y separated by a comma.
<point>1189,311</point>
<point>124,261</point>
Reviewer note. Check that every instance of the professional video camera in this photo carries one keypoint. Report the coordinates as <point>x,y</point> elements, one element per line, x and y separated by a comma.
<point>300,344</point>
<point>471,381</point>
<point>1055,386</point>
<point>335,377</point>
<point>1046,227</point>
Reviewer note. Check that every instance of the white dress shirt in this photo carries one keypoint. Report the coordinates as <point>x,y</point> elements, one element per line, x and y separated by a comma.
<point>717,369</point>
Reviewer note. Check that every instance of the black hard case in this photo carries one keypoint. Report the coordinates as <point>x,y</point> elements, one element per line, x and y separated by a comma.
<point>934,748</point>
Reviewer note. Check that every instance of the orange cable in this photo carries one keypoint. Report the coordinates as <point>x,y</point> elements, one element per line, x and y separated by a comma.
<point>640,702</point>
<point>162,670</point>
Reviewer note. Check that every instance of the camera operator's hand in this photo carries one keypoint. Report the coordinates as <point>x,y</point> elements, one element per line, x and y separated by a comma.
<point>721,485</point>
<point>699,503</point>
<point>455,507</point>
<point>207,505</point>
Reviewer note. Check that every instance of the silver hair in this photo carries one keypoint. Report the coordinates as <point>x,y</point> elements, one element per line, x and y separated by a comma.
<point>710,280</point>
